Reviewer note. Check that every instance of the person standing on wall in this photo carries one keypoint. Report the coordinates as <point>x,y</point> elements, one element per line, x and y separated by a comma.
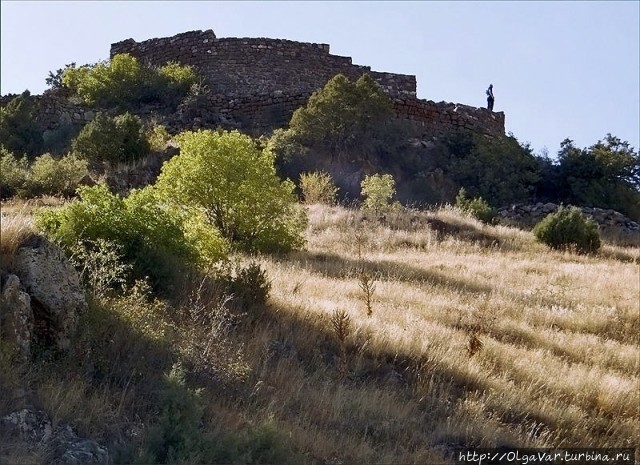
<point>490,98</point>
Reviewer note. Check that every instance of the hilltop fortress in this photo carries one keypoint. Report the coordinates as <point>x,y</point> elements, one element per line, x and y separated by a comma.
<point>260,82</point>
<point>256,84</point>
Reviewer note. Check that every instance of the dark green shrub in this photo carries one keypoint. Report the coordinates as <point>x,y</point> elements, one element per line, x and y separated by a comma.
<point>249,287</point>
<point>346,116</point>
<point>500,169</point>
<point>19,131</point>
<point>111,140</point>
<point>477,207</point>
<point>176,436</point>
<point>567,229</point>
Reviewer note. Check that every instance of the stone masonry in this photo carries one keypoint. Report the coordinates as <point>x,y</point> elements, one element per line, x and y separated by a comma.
<point>255,84</point>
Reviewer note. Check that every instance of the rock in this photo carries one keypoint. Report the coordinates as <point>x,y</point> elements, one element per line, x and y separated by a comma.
<point>54,286</point>
<point>61,445</point>
<point>34,427</point>
<point>69,449</point>
<point>16,317</point>
<point>87,181</point>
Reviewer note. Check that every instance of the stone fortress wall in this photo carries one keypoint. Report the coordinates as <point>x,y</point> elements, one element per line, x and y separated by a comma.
<point>260,82</point>
<point>256,84</point>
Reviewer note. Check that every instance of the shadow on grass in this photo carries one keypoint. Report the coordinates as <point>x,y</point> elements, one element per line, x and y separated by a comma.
<point>435,392</point>
<point>338,267</point>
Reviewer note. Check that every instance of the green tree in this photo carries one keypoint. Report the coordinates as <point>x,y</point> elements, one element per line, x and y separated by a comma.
<point>605,175</point>
<point>345,117</point>
<point>111,140</point>
<point>377,191</point>
<point>499,170</point>
<point>234,184</point>
<point>19,131</point>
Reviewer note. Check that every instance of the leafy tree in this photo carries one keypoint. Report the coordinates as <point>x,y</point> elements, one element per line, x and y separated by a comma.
<point>499,170</point>
<point>234,184</point>
<point>111,140</point>
<point>345,117</point>
<point>19,131</point>
<point>377,191</point>
<point>605,175</point>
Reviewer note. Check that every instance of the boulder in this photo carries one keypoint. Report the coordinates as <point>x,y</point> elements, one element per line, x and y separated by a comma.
<point>60,445</point>
<point>16,317</point>
<point>57,297</point>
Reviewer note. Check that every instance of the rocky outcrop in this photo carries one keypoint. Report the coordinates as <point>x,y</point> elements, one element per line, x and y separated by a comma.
<point>42,300</point>
<point>612,225</point>
<point>60,445</point>
<point>16,317</point>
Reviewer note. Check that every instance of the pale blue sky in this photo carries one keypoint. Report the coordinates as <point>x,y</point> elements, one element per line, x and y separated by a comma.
<point>559,69</point>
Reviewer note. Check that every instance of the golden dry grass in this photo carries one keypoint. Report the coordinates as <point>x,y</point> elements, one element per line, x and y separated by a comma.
<point>478,337</point>
<point>558,362</point>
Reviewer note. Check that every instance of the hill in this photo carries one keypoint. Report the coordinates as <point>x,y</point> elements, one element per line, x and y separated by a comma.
<point>477,337</point>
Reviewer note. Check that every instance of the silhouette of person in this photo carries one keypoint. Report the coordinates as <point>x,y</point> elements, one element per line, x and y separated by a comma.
<point>490,98</point>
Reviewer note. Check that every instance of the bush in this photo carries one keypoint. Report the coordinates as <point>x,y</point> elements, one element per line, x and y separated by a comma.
<point>14,174</point>
<point>154,240</point>
<point>19,131</point>
<point>318,187</point>
<point>477,207</point>
<point>46,176</point>
<point>56,177</point>
<point>123,82</point>
<point>225,176</point>
<point>158,136</point>
<point>568,228</point>
<point>111,140</point>
<point>249,287</point>
<point>176,437</point>
<point>377,191</point>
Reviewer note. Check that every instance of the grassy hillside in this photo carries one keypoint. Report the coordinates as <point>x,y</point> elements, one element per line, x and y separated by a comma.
<point>399,339</point>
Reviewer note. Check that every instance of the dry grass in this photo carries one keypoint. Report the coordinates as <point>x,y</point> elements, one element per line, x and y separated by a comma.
<point>16,229</point>
<point>479,337</point>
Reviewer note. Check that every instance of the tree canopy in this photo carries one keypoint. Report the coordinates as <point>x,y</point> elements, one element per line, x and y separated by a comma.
<point>235,185</point>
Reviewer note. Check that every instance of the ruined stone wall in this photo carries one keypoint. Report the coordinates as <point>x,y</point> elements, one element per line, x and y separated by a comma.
<point>53,110</point>
<point>257,66</point>
<point>257,84</point>
<point>433,119</point>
